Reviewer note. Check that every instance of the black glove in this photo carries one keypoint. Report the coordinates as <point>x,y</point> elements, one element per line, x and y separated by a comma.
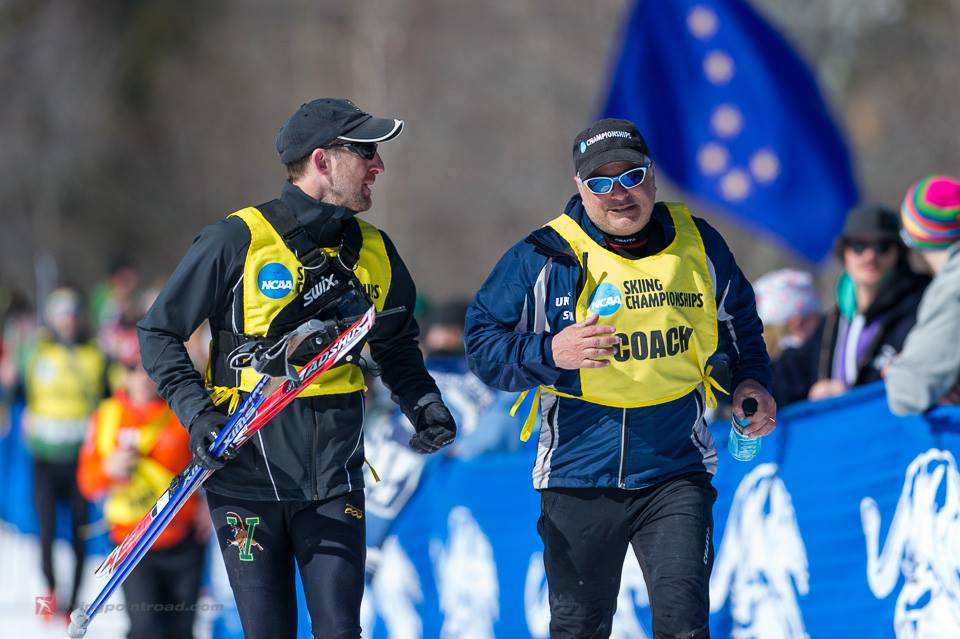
<point>434,425</point>
<point>203,431</point>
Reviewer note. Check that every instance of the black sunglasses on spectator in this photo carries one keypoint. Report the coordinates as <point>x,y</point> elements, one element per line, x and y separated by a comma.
<point>366,150</point>
<point>878,246</point>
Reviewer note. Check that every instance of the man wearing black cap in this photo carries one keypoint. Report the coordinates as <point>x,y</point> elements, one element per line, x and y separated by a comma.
<point>877,298</point>
<point>611,312</point>
<point>294,494</point>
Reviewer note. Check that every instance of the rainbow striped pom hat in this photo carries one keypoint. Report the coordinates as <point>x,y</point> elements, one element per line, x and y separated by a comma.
<point>931,213</point>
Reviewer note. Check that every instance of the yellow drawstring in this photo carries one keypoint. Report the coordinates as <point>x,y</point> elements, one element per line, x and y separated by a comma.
<point>221,394</point>
<point>373,470</point>
<point>709,383</point>
<point>531,416</point>
<point>522,396</point>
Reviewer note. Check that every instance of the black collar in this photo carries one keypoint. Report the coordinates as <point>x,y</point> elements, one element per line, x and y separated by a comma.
<point>323,222</point>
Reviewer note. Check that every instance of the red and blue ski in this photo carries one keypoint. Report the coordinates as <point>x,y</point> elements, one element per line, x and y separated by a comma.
<point>266,399</point>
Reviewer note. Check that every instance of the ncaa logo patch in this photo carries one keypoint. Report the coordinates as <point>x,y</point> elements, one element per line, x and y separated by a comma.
<point>606,299</point>
<point>275,281</point>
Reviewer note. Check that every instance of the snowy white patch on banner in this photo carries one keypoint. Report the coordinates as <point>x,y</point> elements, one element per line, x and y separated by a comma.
<point>922,544</point>
<point>536,598</point>
<point>466,575</point>
<point>762,561</point>
<point>394,594</point>
<point>399,465</point>
<point>466,395</point>
<point>632,597</point>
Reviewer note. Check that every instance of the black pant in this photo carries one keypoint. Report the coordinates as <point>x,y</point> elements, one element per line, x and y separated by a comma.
<point>585,535</point>
<point>161,592</point>
<point>260,541</point>
<point>53,482</point>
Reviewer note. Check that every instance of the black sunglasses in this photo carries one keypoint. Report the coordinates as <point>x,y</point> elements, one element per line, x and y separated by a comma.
<point>366,150</point>
<point>878,246</point>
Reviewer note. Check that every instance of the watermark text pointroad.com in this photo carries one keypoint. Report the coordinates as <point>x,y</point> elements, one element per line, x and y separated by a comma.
<point>43,605</point>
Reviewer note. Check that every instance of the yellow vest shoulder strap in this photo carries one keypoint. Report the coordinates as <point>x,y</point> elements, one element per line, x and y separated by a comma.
<point>268,250</point>
<point>109,421</point>
<point>108,418</point>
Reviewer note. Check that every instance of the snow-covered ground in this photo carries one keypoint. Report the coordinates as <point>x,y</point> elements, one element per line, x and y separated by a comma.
<point>21,582</point>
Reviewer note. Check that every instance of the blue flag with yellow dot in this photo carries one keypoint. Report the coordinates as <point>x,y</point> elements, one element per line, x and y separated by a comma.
<point>734,117</point>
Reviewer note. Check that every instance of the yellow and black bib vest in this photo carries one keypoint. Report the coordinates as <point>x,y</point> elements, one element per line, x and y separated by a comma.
<point>64,382</point>
<point>663,308</point>
<point>126,503</point>
<point>273,277</point>
<point>63,386</point>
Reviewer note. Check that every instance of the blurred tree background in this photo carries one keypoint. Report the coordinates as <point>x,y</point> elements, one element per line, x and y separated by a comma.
<point>127,125</point>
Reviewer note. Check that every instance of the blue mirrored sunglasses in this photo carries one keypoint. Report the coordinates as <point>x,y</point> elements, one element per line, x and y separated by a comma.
<point>602,185</point>
<point>366,150</point>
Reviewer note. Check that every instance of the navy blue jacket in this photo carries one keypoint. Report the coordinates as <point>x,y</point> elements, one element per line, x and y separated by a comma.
<point>531,294</point>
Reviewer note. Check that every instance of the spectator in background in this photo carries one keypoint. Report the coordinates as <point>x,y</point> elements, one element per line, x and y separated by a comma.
<point>64,380</point>
<point>19,330</point>
<point>386,437</point>
<point>112,298</point>
<point>133,448</point>
<point>121,352</point>
<point>877,298</point>
<point>114,306</point>
<point>927,370</point>
<point>484,421</point>
<point>789,307</point>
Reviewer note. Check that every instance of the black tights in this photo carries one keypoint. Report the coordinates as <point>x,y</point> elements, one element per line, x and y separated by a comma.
<point>161,592</point>
<point>53,482</point>
<point>264,541</point>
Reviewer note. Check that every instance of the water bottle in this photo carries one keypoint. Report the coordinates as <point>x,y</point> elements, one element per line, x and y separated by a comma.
<point>742,447</point>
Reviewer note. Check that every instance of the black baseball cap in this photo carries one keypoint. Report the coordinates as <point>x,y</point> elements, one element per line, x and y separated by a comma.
<point>608,140</point>
<point>319,122</point>
<point>872,219</point>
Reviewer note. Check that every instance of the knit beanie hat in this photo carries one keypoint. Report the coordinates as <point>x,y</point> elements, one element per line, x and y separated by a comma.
<point>784,294</point>
<point>931,213</point>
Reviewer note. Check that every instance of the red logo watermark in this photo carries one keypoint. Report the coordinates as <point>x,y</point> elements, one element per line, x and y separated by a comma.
<point>45,605</point>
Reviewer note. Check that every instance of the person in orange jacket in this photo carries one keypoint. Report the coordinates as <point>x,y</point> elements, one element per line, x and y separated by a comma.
<point>133,448</point>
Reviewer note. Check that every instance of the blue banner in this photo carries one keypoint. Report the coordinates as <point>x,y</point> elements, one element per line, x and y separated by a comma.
<point>846,525</point>
<point>734,116</point>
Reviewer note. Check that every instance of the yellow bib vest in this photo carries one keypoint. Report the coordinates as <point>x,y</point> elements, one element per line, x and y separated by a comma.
<point>273,278</point>
<point>64,382</point>
<point>126,503</point>
<point>663,308</point>
<point>63,386</point>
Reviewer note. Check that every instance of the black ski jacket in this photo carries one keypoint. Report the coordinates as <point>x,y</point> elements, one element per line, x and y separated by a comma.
<point>313,449</point>
<point>895,308</point>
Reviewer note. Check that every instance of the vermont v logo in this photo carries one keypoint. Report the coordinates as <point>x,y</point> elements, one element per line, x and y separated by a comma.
<point>243,535</point>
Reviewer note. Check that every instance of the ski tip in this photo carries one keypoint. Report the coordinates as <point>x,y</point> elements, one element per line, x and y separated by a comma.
<point>103,568</point>
<point>78,624</point>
